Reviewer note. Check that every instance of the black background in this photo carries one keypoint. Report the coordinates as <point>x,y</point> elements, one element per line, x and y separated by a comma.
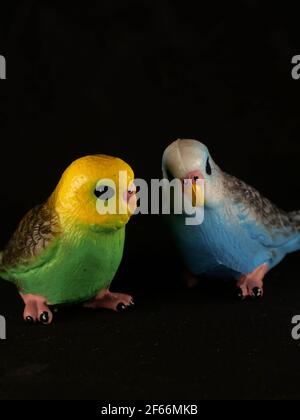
<point>126,78</point>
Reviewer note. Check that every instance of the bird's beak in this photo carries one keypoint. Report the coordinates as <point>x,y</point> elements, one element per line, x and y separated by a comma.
<point>194,187</point>
<point>198,194</point>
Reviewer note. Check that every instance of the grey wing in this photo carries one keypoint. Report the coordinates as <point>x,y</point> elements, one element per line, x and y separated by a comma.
<point>34,233</point>
<point>263,219</point>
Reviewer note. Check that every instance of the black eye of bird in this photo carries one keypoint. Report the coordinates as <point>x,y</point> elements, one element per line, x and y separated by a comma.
<point>195,178</point>
<point>104,192</point>
<point>208,167</point>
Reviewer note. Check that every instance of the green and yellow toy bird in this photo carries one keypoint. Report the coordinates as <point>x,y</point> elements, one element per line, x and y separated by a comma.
<point>68,249</point>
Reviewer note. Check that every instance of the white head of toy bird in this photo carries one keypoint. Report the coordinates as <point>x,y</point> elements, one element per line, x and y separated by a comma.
<point>190,160</point>
<point>66,250</point>
<point>243,235</point>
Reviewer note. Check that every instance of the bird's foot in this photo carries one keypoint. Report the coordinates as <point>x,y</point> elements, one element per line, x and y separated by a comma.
<point>36,309</point>
<point>189,279</point>
<point>108,300</point>
<point>252,284</point>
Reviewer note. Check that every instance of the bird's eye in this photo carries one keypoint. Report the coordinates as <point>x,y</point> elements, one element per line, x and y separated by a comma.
<point>131,189</point>
<point>208,167</point>
<point>104,192</point>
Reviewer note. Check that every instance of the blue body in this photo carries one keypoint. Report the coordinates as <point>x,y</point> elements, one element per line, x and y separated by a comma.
<point>231,242</point>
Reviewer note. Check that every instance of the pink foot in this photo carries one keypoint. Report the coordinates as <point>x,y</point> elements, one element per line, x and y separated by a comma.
<point>36,309</point>
<point>108,300</point>
<point>189,279</point>
<point>252,284</point>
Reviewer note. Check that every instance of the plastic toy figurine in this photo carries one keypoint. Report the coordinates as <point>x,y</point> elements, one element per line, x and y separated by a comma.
<point>65,251</point>
<point>243,235</point>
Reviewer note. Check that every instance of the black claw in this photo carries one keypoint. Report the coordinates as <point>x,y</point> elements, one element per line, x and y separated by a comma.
<point>121,307</point>
<point>29,320</point>
<point>257,292</point>
<point>240,294</point>
<point>44,317</point>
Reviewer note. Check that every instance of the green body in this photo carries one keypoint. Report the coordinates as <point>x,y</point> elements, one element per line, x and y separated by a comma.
<point>74,268</point>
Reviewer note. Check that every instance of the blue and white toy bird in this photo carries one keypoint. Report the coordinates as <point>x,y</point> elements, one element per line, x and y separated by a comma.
<point>243,235</point>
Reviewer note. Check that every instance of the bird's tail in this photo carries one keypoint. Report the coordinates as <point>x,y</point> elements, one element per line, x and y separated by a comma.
<point>294,244</point>
<point>4,275</point>
<point>2,271</point>
<point>295,218</point>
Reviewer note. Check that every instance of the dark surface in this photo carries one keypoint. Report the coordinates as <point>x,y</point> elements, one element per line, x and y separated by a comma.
<point>126,78</point>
